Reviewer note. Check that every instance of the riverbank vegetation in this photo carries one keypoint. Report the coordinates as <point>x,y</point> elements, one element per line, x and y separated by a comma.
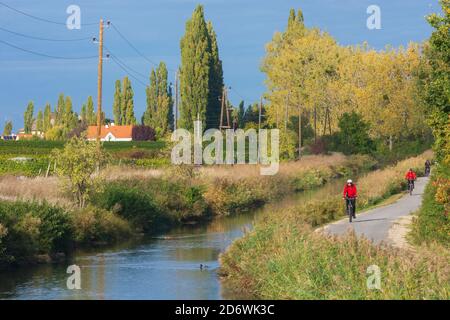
<point>283,258</point>
<point>433,222</point>
<point>110,208</point>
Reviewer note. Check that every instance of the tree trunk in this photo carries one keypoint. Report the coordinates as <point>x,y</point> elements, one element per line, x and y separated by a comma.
<point>315,124</point>
<point>299,132</point>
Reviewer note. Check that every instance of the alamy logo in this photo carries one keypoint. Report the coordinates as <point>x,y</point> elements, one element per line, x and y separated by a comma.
<point>74,280</point>
<point>235,147</point>
<point>374,279</point>
<point>74,19</point>
<point>374,20</point>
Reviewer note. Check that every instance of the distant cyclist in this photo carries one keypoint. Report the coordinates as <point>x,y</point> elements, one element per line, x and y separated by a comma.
<point>350,194</point>
<point>411,177</point>
<point>427,167</point>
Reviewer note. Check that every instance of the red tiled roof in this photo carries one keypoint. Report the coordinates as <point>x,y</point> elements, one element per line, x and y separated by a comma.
<point>120,132</point>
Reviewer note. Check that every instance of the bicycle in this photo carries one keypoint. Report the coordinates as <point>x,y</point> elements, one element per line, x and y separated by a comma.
<point>350,208</point>
<point>410,186</point>
<point>427,171</point>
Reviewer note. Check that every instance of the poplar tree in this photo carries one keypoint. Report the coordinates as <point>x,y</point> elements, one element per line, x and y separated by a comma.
<point>60,108</point>
<point>117,104</point>
<point>215,81</point>
<point>159,114</point>
<point>47,117</point>
<point>195,70</point>
<point>40,121</point>
<point>240,114</point>
<point>149,118</point>
<point>128,117</point>
<point>28,117</point>
<point>90,114</point>
<point>201,73</point>
<point>7,130</point>
<point>69,119</point>
<point>84,113</point>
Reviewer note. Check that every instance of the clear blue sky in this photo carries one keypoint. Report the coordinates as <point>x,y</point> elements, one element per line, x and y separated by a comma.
<point>155,28</point>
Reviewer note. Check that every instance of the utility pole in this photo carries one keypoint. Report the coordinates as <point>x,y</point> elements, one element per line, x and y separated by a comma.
<point>176,101</point>
<point>100,78</point>
<point>224,108</point>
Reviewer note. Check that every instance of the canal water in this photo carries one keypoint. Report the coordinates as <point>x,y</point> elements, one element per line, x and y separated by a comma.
<point>165,267</point>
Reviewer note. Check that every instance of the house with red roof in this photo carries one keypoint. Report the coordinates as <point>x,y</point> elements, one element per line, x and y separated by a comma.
<point>111,133</point>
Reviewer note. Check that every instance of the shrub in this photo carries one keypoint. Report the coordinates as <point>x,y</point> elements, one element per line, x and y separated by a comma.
<point>98,225</point>
<point>143,133</point>
<point>433,222</point>
<point>77,162</point>
<point>131,203</point>
<point>32,228</point>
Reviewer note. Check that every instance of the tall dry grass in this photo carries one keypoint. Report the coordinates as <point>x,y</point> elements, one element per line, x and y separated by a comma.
<point>379,184</point>
<point>33,189</point>
<point>287,260</point>
<point>284,259</point>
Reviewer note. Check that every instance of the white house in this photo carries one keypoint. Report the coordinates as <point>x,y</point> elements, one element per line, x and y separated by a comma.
<point>111,133</point>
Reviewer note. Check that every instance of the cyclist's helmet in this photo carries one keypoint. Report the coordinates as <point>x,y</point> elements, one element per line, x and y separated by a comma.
<point>349,181</point>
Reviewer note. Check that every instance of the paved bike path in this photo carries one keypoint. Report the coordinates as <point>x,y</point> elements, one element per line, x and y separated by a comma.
<point>374,224</point>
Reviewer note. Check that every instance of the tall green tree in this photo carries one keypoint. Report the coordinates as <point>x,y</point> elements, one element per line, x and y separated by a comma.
<point>117,103</point>
<point>354,134</point>
<point>127,103</point>
<point>84,113</point>
<point>158,114</point>
<point>90,113</point>
<point>28,117</point>
<point>7,130</point>
<point>215,81</point>
<point>240,114</point>
<point>47,117</point>
<point>40,121</point>
<point>195,70</point>
<point>70,118</point>
<point>149,118</point>
<point>60,110</point>
<point>437,84</point>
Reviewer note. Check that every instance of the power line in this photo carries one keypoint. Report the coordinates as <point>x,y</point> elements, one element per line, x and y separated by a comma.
<point>123,63</point>
<point>39,18</point>
<point>44,54</point>
<point>42,39</point>
<point>125,69</point>
<point>134,47</point>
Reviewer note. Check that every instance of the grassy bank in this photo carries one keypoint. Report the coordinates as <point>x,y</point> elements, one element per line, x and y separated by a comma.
<point>140,201</point>
<point>432,223</point>
<point>283,258</point>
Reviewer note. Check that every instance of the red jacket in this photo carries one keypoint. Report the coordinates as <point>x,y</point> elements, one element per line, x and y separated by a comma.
<point>350,191</point>
<point>410,175</point>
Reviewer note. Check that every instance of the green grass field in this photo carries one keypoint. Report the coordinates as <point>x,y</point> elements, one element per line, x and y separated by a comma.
<point>138,153</point>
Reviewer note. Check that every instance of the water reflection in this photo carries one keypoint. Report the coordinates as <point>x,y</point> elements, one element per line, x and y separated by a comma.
<point>166,267</point>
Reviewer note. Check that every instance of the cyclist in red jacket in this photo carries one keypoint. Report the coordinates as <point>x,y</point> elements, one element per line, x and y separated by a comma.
<point>350,194</point>
<point>411,176</point>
